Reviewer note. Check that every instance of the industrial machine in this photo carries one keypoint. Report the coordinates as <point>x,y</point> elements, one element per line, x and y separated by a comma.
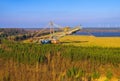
<point>55,32</point>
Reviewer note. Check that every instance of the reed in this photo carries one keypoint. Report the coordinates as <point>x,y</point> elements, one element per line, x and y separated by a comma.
<point>34,62</point>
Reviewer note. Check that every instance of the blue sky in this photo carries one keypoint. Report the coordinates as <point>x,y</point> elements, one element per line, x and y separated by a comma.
<point>37,13</point>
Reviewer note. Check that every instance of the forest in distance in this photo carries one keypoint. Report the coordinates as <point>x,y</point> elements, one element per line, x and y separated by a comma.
<point>21,33</point>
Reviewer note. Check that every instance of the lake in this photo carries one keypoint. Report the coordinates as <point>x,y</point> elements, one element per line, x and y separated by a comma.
<point>100,32</point>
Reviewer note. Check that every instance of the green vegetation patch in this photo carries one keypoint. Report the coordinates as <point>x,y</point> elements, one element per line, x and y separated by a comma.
<point>31,53</point>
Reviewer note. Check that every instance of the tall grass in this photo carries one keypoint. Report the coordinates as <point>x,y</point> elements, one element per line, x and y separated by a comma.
<point>31,53</point>
<point>34,62</point>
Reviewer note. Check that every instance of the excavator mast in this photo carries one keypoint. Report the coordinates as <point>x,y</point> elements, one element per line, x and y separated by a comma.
<point>55,32</point>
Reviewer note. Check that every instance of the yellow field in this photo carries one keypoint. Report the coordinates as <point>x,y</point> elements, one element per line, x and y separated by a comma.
<point>91,41</point>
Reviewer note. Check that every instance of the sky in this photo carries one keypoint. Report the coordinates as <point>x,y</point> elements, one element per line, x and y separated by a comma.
<point>38,13</point>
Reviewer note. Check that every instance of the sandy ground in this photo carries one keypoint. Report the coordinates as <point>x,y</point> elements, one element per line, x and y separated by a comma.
<point>91,41</point>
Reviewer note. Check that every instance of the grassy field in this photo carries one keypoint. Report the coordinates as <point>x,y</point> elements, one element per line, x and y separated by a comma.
<point>91,41</point>
<point>76,58</point>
